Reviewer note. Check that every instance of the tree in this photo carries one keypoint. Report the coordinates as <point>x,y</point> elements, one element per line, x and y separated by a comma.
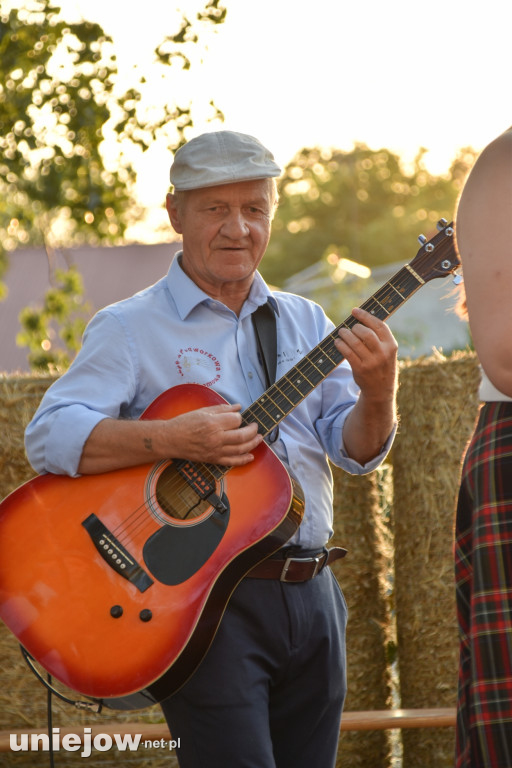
<point>360,204</point>
<point>61,109</point>
<point>63,314</point>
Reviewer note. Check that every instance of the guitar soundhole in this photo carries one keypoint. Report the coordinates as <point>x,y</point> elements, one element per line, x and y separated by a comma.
<point>182,496</point>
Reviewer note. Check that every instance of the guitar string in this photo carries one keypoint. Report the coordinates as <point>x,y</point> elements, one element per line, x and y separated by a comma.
<point>142,517</point>
<point>385,297</point>
<point>314,362</point>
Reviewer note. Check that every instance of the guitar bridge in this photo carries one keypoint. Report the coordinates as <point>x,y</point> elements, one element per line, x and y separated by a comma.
<point>197,480</point>
<point>115,555</point>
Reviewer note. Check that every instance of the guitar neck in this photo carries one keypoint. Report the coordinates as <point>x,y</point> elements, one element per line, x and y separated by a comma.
<point>283,396</point>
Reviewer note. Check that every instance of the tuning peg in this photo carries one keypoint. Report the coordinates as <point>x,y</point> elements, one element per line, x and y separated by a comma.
<point>422,239</point>
<point>441,224</point>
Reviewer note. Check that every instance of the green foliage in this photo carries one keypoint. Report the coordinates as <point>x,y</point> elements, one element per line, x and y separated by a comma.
<point>62,114</point>
<point>54,101</point>
<point>63,315</point>
<point>59,109</point>
<point>360,204</point>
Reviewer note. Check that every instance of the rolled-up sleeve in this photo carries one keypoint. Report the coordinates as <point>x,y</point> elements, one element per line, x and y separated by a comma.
<point>330,426</point>
<point>54,442</point>
<point>100,380</point>
<point>354,468</point>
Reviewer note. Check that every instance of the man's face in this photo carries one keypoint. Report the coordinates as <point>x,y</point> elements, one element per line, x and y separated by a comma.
<point>225,232</point>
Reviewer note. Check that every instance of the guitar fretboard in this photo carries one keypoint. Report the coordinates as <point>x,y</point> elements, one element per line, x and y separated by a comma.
<point>436,258</point>
<point>283,396</point>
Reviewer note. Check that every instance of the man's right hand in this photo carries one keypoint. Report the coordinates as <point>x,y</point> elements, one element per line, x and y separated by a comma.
<point>212,434</point>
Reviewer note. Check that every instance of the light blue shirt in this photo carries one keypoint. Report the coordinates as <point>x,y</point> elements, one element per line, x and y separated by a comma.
<point>173,333</point>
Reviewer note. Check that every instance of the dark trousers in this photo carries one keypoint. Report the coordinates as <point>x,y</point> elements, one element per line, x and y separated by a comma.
<point>270,691</point>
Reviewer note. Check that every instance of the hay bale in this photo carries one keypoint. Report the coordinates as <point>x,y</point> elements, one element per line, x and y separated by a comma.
<point>19,397</point>
<point>358,526</point>
<point>438,405</point>
<point>143,757</point>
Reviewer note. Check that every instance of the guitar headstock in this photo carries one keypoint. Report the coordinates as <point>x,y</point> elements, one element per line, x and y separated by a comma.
<point>437,257</point>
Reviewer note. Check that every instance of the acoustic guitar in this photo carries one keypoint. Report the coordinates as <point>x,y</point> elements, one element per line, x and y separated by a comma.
<point>116,583</point>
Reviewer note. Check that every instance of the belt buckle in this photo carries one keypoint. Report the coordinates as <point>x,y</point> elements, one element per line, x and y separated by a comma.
<point>289,560</point>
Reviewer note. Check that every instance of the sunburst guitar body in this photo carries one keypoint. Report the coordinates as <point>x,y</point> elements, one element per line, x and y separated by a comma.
<point>116,583</point>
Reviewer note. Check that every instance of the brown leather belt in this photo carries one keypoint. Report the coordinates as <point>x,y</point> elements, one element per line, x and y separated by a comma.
<point>295,568</point>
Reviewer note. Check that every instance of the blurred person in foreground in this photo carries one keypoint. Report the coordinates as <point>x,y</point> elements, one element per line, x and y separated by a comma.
<point>483,546</point>
<point>271,687</point>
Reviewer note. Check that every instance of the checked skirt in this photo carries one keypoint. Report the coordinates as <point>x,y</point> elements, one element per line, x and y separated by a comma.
<point>483,573</point>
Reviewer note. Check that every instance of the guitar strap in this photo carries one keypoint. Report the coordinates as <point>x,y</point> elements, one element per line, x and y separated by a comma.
<point>264,322</point>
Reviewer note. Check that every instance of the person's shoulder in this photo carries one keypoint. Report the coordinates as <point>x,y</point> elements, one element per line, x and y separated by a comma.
<point>495,160</point>
<point>501,144</point>
<point>138,300</point>
<point>489,185</point>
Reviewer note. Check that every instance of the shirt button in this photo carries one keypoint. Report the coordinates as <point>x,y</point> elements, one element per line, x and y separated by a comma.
<point>250,374</point>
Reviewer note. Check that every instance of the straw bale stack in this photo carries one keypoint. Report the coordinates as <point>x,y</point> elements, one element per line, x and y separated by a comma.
<point>438,405</point>
<point>19,398</point>
<point>362,574</point>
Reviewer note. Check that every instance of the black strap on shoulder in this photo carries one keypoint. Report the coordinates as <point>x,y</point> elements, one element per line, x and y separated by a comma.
<point>264,321</point>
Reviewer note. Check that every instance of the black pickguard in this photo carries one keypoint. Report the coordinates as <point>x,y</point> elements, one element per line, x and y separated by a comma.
<point>175,552</point>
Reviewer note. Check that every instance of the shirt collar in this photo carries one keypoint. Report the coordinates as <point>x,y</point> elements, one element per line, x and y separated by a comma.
<point>187,295</point>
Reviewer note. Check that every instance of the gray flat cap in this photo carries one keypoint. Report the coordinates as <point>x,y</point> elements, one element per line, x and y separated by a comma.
<point>221,157</point>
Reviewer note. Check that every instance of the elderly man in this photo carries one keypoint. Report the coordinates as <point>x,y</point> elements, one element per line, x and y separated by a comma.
<point>271,687</point>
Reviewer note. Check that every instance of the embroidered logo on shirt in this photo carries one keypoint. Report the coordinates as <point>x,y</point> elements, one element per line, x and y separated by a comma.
<point>198,366</point>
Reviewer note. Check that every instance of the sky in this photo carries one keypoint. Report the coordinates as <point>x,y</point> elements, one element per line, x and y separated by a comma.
<point>399,74</point>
